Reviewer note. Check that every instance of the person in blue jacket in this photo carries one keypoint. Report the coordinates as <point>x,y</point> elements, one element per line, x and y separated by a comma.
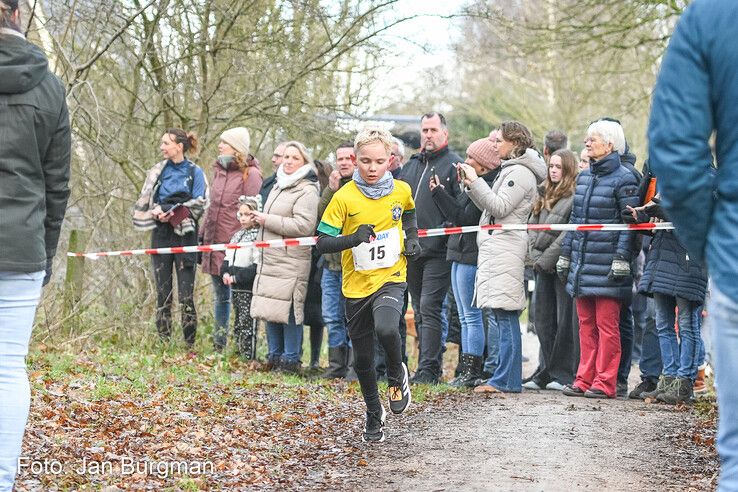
<point>596,265</point>
<point>695,98</point>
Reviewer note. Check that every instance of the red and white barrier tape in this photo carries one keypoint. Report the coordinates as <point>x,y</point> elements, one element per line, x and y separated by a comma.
<point>443,231</point>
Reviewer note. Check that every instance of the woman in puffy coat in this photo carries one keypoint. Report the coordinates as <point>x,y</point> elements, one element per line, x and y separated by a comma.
<point>235,174</point>
<point>596,265</point>
<point>501,260</point>
<point>553,308</point>
<point>677,283</point>
<point>280,286</point>
<point>462,252</point>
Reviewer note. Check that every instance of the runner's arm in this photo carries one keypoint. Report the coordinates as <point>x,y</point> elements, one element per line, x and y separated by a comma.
<point>334,244</point>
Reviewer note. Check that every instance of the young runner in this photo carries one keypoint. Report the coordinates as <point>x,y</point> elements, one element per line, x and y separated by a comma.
<point>367,220</point>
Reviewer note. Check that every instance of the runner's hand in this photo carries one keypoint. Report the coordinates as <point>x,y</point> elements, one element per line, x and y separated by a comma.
<point>363,234</point>
<point>412,248</point>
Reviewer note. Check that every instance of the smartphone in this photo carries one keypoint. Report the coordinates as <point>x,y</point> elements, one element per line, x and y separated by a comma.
<point>433,176</point>
<point>460,172</point>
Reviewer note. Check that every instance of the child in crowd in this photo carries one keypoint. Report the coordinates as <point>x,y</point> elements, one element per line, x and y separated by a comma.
<point>367,219</point>
<point>238,272</point>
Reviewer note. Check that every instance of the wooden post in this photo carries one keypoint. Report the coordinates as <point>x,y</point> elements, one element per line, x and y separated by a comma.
<point>74,279</point>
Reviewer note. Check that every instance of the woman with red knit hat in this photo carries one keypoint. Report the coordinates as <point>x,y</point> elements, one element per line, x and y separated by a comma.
<point>462,252</point>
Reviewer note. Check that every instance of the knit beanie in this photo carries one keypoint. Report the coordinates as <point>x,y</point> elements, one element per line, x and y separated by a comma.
<point>238,138</point>
<point>483,151</point>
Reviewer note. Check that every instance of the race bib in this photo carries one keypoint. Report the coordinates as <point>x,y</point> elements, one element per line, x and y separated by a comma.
<point>382,252</point>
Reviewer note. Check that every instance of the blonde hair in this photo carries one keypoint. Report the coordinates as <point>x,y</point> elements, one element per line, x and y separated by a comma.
<point>371,134</point>
<point>302,150</point>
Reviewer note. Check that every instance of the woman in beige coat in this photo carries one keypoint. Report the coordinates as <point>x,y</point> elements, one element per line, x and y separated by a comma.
<point>501,260</point>
<point>280,286</point>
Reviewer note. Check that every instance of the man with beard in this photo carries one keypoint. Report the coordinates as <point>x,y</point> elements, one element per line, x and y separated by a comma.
<point>429,276</point>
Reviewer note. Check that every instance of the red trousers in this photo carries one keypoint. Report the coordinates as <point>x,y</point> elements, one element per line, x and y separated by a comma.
<point>599,343</point>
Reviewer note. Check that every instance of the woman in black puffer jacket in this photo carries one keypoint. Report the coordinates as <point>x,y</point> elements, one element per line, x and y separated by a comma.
<point>677,283</point>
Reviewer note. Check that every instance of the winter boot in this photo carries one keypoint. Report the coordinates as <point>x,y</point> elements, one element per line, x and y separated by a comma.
<point>700,388</point>
<point>463,369</point>
<point>663,384</point>
<point>680,391</point>
<point>337,357</point>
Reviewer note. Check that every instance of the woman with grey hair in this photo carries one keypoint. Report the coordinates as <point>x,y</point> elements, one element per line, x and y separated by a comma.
<point>280,286</point>
<point>596,265</point>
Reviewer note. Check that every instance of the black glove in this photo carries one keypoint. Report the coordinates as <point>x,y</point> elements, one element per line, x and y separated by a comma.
<point>47,277</point>
<point>363,234</point>
<point>627,217</point>
<point>412,248</point>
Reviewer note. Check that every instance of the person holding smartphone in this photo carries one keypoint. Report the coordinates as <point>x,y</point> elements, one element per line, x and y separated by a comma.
<point>429,277</point>
<point>462,253</point>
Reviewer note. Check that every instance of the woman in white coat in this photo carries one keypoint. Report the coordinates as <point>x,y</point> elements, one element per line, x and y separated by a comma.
<point>499,285</point>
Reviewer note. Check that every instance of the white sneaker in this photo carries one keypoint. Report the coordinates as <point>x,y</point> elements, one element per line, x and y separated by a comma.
<point>531,385</point>
<point>555,385</point>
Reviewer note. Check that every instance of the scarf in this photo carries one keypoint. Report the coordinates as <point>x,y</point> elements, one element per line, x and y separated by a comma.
<point>383,187</point>
<point>285,180</point>
<point>225,161</point>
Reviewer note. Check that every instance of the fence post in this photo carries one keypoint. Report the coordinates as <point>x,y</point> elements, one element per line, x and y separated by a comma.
<point>75,272</point>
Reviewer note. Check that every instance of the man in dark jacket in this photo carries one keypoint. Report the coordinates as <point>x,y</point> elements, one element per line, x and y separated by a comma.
<point>34,164</point>
<point>693,100</point>
<point>330,283</point>
<point>429,276</point>
<point>268,183</point>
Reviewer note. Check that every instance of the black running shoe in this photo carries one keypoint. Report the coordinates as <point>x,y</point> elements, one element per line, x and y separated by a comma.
<point>374,427</point>
<point>399,396</point>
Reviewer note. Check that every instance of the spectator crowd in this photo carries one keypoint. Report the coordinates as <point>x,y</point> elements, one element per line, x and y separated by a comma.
<point>598,301</point>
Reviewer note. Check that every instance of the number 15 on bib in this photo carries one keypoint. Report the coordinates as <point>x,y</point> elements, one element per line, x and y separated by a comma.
<point>382,252</point>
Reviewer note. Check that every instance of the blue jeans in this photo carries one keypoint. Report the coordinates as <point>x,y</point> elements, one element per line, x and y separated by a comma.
<point>285,340</point>
<point>222,304</point>
<point>723,314</point>
<point>19,295</point>
<point>680,357</point>
<point>650,360</point>
<point>470,316</point>
<point>508,376</point>
<point>333,308</point>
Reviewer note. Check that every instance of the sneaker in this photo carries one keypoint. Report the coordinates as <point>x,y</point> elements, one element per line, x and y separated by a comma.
<point>555,386</point>
<point>571,390</point>
<point>374,427</point>
<point>644,386</point>
<point>399,396</point>
<point>531,385</point>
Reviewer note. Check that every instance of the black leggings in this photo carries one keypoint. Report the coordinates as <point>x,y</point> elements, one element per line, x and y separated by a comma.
<point>385,323</point>
<point>164,266</point>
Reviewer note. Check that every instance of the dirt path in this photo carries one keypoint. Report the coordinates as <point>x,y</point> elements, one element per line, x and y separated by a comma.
<point>540,441</point>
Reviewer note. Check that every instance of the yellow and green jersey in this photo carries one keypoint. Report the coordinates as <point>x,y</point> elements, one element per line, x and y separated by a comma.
<point>348,209</point>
